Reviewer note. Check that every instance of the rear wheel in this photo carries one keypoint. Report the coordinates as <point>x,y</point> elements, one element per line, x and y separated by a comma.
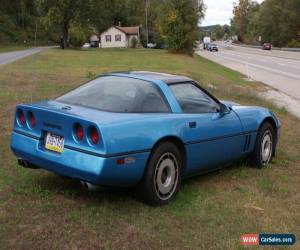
<point>264,146</point>
<point>162,178</point>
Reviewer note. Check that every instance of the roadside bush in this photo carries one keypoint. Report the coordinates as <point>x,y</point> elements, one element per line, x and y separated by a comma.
<point>294,44</point>
<point>133,42</point>
<point>77,36</point>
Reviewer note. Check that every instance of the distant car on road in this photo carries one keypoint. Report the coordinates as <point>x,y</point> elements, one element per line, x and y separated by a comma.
<point>267,46</point>
<point>213,47</point>
<point>141,128</point>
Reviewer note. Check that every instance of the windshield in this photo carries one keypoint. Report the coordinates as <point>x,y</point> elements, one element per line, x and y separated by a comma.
<point>118,94</point>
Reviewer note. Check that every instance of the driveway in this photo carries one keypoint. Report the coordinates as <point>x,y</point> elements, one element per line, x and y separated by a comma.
<point>9,57</point>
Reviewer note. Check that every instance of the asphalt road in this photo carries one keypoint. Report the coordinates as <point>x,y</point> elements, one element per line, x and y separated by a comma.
<point>278,69</point>
<point>9,57</point>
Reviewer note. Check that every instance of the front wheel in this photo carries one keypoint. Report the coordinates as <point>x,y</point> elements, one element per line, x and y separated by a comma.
<point>264,146</point>
<point>162,177</point>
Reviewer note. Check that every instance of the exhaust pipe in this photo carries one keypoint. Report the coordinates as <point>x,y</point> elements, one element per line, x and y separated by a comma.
<point>26,164</point>
<point>89,186</point>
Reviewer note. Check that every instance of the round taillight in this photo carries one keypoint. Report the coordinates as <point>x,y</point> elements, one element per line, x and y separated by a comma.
<point>79,132</point>
<point>21,117</point>
<point>94,135</point>
<point>32,120</point>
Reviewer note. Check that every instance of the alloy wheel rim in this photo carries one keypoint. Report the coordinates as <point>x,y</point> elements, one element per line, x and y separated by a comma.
<point>266,147</point>
<point>166,176</point>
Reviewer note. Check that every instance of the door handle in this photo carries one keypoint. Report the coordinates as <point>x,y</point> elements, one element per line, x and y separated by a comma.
<point>192,124</point>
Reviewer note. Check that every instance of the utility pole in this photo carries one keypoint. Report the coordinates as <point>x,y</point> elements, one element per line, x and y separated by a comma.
<point>35,33</point>
<point>147,32</point>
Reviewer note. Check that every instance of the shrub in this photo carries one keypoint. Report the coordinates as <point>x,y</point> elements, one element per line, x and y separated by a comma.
<point>77,36</point>
<point>294,44</point>
<point>133,42</point>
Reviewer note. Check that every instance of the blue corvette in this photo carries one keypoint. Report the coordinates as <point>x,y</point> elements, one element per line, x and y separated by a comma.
<point>141,128</point>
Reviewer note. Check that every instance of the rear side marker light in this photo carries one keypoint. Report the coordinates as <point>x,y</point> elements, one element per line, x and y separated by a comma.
<point>32,120</point>
<point>79,132</point>
<point>120,161</point>
<point>125,160</point>
<point>21,117</point>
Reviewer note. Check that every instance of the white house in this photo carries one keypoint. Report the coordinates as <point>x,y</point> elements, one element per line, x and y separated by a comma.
<point>119,37</point>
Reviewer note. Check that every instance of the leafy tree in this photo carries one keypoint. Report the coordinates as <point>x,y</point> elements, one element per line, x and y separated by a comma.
<point>285,20</point>
<point>65,12</point>
<point>218,32</point>
<point>178,23</point>
<point>242,13</point>
<point>78,35</point>
<point>275,21</point>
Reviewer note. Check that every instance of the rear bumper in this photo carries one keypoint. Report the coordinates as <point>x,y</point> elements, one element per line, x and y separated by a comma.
<point>79,165</point>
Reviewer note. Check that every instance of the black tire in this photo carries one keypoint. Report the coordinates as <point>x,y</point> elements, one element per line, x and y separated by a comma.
<point>158,173</point>
<point>261,156</point>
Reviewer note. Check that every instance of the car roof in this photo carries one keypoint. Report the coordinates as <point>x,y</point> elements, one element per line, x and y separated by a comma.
<point>165,77</point>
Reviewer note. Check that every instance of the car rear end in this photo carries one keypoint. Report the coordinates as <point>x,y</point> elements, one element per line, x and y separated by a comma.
<point>213,47</point>
<point>267,46</point>
<point>71,145</point>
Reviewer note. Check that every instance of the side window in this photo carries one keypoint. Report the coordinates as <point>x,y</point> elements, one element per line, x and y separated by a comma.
<point>118,38</point>
<point>108,38</point>
<point>192,99</point>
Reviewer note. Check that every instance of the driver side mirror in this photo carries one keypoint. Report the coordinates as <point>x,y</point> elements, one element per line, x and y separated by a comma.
<point>224,109</point>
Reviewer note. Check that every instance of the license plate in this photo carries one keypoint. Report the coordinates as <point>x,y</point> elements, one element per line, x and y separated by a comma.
<point>54,142</point>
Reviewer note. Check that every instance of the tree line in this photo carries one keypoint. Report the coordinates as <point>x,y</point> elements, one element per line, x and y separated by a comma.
<point>273,21</point>
<point>172,22</point>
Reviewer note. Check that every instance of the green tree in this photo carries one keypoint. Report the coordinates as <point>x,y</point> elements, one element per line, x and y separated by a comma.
<point>242,13</point>
<point>63,13</point>
<point>178,23</point>
<point>218,32</point>
<point>275,21</point>
<point>278,21</point>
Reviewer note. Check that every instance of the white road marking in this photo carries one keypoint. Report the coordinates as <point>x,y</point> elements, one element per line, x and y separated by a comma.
<point>261,67</point>
<point>281,64</point>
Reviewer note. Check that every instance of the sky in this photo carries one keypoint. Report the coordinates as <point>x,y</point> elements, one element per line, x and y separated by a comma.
<point>218,11</point>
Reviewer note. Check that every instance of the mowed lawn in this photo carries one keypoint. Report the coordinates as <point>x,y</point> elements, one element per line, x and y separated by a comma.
<point>40,210</point>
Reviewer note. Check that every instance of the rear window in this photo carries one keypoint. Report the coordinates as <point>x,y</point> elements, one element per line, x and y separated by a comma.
<point>118,94</point>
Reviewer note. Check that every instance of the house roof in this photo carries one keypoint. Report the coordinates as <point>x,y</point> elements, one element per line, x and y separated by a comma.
<point>134,30</point>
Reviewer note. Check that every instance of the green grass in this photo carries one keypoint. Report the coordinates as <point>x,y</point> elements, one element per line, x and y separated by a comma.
<point>39,210</point>
<point>9,48</point>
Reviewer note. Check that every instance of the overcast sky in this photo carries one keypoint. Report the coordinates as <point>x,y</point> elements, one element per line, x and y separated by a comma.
<point>218,11</point>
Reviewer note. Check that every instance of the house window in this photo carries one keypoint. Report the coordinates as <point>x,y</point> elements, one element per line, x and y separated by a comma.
<point>118,38</point>
<point>108,38</point>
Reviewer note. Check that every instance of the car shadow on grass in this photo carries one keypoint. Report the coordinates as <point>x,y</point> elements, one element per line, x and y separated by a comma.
<point>52,185</point>
<point>73,189</point>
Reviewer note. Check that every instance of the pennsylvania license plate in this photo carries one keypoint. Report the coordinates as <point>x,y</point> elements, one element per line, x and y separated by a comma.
<point>54,142</point>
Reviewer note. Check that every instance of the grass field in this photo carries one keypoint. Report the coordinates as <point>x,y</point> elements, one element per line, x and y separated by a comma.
<point>39,210</point>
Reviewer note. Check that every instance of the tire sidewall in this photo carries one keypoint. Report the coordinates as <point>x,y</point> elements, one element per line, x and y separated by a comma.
<point>149,191</point>
<point>256,158</point>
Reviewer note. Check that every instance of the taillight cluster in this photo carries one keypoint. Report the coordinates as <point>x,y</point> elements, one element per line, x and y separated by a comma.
<point>92,134</point>
<point>29,117</point>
